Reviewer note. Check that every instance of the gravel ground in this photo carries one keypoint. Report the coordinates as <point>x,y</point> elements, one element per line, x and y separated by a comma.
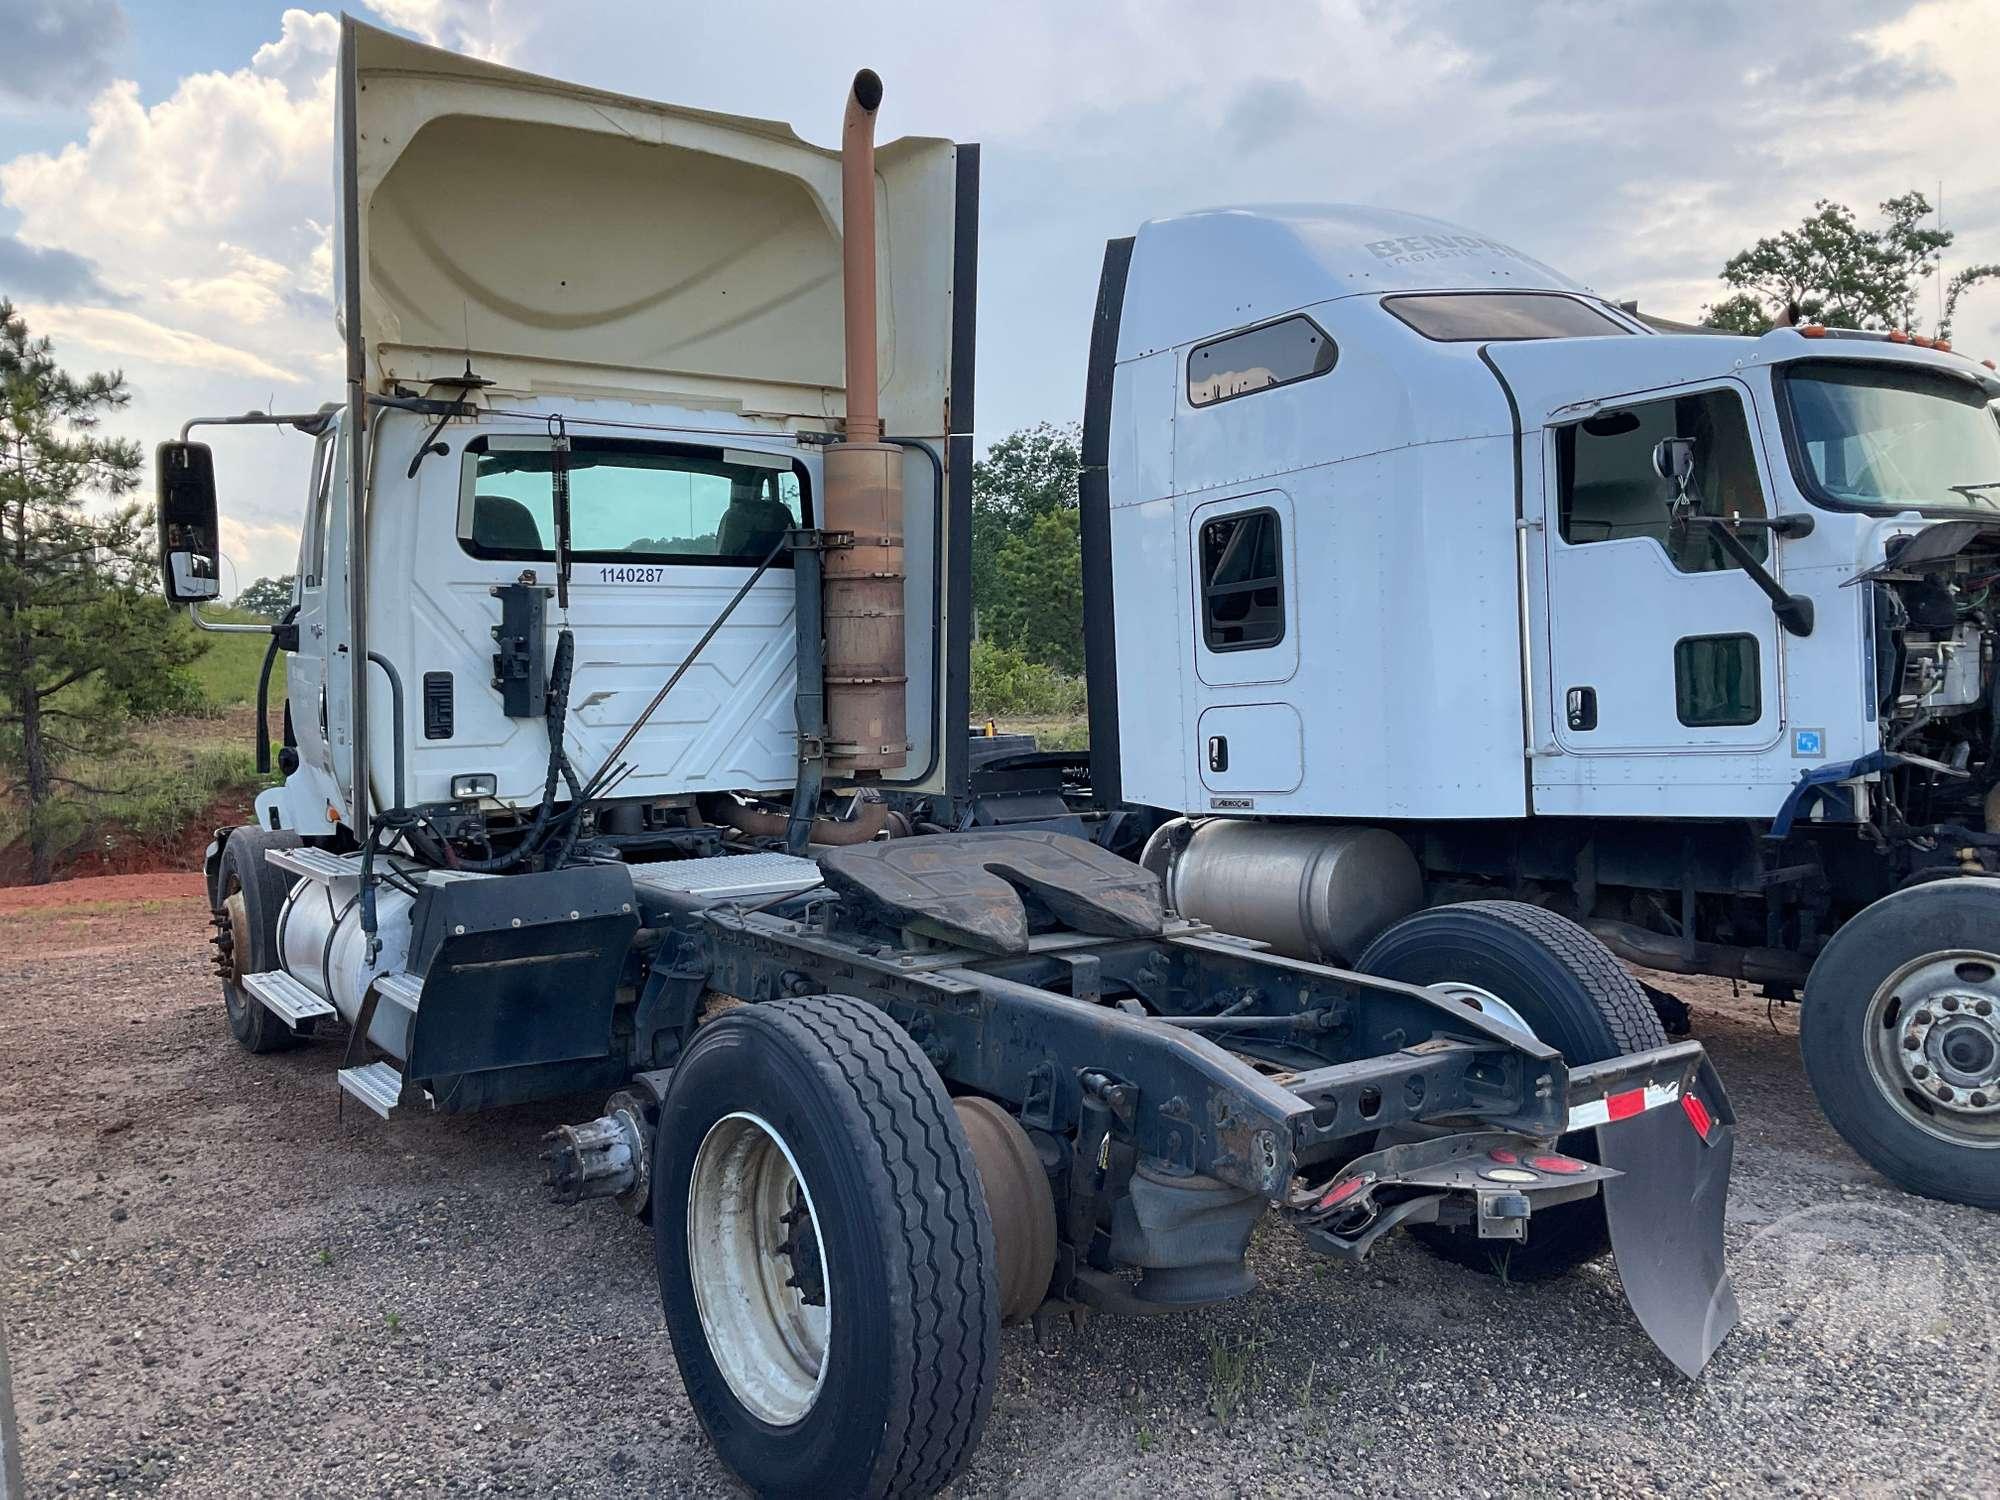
<point>213,1287</point>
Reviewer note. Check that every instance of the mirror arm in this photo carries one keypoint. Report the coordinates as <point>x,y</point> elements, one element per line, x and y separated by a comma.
<point>1794,611</point>
<point>218,627</point>
<point>1790,527</point>
<point>311,423</point>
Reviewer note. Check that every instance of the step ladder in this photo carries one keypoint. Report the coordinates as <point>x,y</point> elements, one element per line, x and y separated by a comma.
<point>379,1084</point>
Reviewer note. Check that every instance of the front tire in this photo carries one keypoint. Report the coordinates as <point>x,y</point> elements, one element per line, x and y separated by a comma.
<point>825,1255</point>
<point>1572,993</point>
<point>1900,1032</point>
<point>249,893</point>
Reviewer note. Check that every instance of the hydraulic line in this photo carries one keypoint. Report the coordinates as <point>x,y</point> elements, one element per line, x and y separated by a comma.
<point>559,767</point>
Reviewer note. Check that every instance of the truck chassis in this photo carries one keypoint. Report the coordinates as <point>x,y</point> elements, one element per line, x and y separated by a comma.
<point>1123,1088</point>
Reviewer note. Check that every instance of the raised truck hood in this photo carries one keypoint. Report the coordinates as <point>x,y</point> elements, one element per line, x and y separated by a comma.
<point>574,240</point>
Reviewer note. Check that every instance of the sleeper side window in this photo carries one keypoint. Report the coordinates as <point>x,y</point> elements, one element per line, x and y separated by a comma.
<point>1242,581</point>
<point>1241,364</point>
<point>1608,489</point>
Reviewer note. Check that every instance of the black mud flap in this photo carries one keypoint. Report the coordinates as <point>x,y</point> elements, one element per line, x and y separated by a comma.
<point>1666,1215</point>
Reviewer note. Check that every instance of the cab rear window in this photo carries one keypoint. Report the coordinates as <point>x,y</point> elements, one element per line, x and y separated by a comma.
<point>1483,317</point>
<point>629,501</point>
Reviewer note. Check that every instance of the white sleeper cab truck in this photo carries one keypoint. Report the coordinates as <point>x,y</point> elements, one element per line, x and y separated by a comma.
<point>1418,575</point>
<point>632,589</point>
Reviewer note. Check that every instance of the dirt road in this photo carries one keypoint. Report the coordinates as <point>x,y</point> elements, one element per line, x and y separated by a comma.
<point>213,1287</point>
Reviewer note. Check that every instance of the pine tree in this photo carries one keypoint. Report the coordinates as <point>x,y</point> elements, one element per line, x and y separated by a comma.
<point>85,641</point>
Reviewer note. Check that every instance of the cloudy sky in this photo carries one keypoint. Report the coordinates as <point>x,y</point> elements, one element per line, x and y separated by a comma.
<point>165,176</point>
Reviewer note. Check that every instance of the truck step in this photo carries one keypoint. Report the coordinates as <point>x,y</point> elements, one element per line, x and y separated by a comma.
<point>401,989</point>
<point>285,997</point>
<point>725,877</point>
<point>378,1085</point>
<point>316,864</point>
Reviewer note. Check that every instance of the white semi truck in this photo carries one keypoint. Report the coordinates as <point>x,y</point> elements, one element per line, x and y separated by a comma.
<point>631,587</point>
<point>1418,574</point>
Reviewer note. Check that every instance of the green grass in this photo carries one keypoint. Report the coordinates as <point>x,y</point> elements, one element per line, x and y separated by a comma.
<point>228,670</point>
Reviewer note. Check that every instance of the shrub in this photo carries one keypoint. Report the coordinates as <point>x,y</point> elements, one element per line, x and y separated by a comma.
<point>1005,684</point>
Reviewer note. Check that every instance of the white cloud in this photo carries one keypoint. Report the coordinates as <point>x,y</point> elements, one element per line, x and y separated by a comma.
<point>128,336</point>
<point>1636,152</point>
<point>253,550</point>
<point>479,27</point>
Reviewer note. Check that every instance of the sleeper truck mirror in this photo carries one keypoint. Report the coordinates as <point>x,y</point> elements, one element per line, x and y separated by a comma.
<point>1673,461</point>
<point>190,551</point>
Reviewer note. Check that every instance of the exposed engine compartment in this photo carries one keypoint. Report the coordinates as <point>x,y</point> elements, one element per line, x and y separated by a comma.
<point>1936,615</point>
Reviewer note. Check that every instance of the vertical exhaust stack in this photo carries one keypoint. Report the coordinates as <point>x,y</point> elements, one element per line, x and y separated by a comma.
<point>866,708</point>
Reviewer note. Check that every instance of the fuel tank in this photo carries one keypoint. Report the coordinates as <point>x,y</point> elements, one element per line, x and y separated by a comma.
<point>1310,891</point>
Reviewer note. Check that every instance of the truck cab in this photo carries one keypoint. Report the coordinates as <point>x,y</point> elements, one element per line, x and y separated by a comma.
<point>1686,635</point>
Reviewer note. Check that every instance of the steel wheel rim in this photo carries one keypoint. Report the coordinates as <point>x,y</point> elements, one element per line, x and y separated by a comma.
<point>1932,1040</point>
<point>768,1341</point>
<point>236,908</point>
<point>1486,1003</point>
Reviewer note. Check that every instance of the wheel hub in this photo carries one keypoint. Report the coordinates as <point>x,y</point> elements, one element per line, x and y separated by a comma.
<point>1936,1054</point>
<point>1951,1051</point>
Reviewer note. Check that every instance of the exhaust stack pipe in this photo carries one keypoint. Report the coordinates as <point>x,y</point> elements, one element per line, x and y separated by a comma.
<point>867,715</point>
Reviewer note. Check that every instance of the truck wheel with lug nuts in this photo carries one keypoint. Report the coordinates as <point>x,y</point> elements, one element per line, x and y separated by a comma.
<point>825,1255</point>
<point>1901,1036</point>
<point>249,892</point>
<point>1534,969</point>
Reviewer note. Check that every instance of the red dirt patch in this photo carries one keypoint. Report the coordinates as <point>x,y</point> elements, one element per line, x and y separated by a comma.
<point>104,890</point>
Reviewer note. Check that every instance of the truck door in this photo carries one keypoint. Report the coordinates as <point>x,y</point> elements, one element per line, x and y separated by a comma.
<point>1657,641</point>
<point>1249,738</point>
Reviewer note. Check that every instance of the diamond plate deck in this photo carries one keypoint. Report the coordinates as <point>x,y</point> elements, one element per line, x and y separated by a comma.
<point>721,877</point>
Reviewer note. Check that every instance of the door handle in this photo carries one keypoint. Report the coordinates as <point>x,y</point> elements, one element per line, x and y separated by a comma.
<point>1218,752</point>
<point>1581,708</point>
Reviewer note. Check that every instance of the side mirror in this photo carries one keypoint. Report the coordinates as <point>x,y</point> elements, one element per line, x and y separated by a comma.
<point>190,549</point>
<point>1673,461</point>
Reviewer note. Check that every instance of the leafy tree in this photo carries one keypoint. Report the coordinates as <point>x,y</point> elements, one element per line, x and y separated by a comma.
<point>269,597</point>
<point>1833,270</point>
<point>1026,556</point>
<point>84,640</point>
<point>1038,608</point>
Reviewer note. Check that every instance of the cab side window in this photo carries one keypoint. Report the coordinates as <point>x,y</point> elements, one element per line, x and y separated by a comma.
<point>1242,364</point>
<point>1608,490</point>
<point>312,554</point>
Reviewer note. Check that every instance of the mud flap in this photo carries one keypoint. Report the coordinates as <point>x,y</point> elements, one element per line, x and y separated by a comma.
<point>1666,1216</point>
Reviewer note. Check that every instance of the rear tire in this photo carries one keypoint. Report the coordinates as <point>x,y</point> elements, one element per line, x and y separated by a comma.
<point>1928,950</point>
<point>1574,994</point>
<point>865,1362</point>
<point>249,893</point>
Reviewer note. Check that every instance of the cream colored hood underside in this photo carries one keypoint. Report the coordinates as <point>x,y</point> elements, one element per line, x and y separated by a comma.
<point>572,240</point>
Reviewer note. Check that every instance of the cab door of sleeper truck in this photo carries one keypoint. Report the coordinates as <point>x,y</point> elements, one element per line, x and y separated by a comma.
<point>1250,739</point>
<point>1658,644</point>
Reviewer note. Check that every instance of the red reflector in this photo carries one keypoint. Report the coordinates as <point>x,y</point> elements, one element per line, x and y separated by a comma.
<point>1624,1106</point>
<point>1698,1115</point>
<point>1502,1155</point>
<point>1562,1166</point>
<point>1340,1192</point>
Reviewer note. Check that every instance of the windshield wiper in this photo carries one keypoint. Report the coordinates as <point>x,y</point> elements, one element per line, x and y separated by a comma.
<point>1967,489</point>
